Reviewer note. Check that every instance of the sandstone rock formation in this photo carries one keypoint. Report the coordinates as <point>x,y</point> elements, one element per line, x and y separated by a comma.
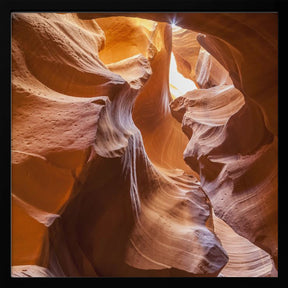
<point>105,181</point>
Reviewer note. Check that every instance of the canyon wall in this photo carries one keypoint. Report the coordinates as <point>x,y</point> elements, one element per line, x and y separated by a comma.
<point>113,177</point>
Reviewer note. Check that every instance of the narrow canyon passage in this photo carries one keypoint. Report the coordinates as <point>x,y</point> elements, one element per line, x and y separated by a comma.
<point>118,170</point>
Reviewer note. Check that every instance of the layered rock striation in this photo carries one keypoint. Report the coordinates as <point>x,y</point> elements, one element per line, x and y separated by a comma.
<point>104,180</point>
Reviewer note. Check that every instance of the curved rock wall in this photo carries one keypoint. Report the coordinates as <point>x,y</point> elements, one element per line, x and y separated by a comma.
<point>99,178</point>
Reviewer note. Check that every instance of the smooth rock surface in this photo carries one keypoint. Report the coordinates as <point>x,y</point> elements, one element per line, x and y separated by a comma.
<point>105,181</point>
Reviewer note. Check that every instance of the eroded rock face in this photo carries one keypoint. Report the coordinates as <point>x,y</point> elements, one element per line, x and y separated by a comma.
<point>99,178</point>
<point>186,49</point>
<point>237,168</point>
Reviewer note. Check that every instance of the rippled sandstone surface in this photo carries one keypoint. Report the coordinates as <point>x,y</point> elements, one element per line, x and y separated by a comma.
<point>113,176</point>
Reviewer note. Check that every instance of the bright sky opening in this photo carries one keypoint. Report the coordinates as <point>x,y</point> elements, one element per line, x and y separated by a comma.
<point>178,84</point>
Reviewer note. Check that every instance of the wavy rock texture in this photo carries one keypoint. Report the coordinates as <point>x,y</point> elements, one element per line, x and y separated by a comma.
<point>30,271</point>
<point>209,72</point>
<point>236,169</point>
<point>249,58</point>
<point>240,163</point>
<point>186,50</point>
<point>99,180</point>
<point>250,262</point>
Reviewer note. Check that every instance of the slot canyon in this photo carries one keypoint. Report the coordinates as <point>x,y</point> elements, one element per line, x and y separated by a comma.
<point>144,144</point>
